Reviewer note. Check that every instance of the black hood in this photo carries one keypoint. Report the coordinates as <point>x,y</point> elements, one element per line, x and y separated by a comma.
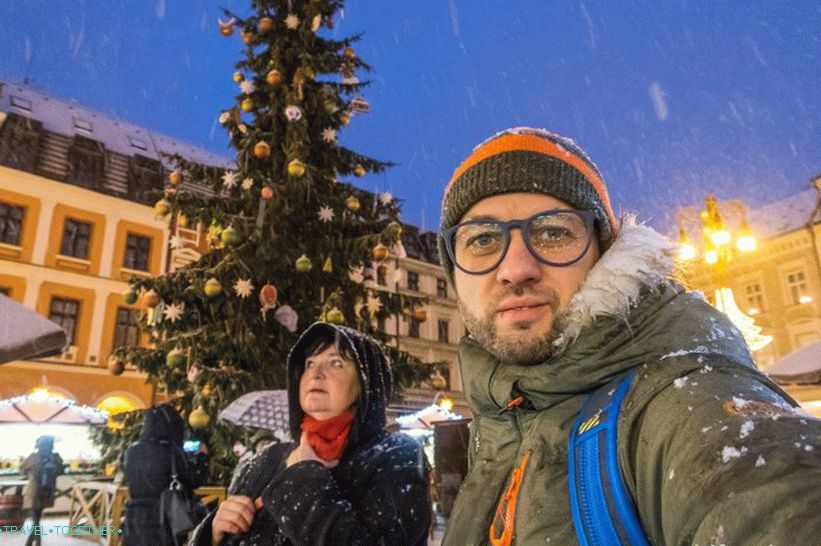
<point>374,380</point>
<point>45,444</point>
<point>163,423</point>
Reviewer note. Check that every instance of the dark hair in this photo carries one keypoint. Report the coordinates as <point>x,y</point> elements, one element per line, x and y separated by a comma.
<point>325,340</point>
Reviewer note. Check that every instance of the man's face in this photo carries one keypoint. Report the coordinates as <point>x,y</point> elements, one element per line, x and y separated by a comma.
<point>512,311</point>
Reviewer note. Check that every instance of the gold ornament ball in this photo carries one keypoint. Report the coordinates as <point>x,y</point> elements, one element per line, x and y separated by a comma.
<point>296,168</point>
<point>330,106</point>
<point>350,53</point>
<point>207,390</point>
<point>226,29</point>
<point>345,119</point>
<point>310,73</point>
<point>183,221</point>
<point>230,236</point>
<point>247,105</point>
<point>420,315</point>
<point>394,230</point>
<point>115,366</point>
<point>212,287</point>
<point>151,298</point>
<point>262,150</point>
<point>238,77</point>
<point>352,203</point>
<point>379,252</point>
<point>359,170</point>
<point>247,37</point>
<point>335,316</point>
<point>162,207</point>
<point>303,264</point>
<point>199,419</point>
<point>174,358</point>
<point>265,25</point>
<point>130,297</point>
<point>273,78</point>
<point>174,178</point>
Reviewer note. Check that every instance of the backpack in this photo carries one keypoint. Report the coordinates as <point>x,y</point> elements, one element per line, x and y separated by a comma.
<point>47,477</point>
<point>603,511</point>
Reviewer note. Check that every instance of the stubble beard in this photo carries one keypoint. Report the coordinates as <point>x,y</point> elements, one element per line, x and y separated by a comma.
<point>521,352</point>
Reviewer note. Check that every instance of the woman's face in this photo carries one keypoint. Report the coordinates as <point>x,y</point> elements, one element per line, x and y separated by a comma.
<point>329,384</point>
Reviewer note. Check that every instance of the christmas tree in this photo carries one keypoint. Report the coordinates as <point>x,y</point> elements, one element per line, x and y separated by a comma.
<point>291,241</point>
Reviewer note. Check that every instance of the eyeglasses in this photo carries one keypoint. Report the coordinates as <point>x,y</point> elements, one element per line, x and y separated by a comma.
<point>554,237</point>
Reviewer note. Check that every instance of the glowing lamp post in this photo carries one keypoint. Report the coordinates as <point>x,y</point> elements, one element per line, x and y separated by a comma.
<point>717,251</point>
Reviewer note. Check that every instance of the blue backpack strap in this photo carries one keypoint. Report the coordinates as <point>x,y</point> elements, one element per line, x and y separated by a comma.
<point>603,512</point>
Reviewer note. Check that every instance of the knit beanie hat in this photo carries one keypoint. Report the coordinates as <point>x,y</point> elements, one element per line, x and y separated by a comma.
<point>528,160</point>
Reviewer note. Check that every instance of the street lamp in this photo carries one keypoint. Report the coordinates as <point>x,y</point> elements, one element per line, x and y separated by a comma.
<point>718,251</point>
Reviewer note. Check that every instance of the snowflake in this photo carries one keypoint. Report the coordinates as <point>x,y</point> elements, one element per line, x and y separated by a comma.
<point>229,179</point>
<point>746,428</point>
<point>386,198</point>
<point>292,21</point>
<point>243,288</point>
<point>174,311</point>
<point>760,461</point>
<point>374,304</point>
<point>329,134</point>
<point>326,213</point>
<point>680,382</point>
<point>248,183</point>
<point>176,242</point>
<point>247,87</point>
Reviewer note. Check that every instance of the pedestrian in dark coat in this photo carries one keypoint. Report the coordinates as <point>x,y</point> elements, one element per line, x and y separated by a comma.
<point>42,467</point>
<point>348,480</point>
<point>148,474</point>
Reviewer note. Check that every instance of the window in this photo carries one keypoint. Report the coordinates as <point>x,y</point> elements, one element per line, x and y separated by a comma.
<point>11,223</point>
<point>144,176</point>
<point>76,237</point>
<point>127,330</point>
<point>441,288</point>
<point>797,285</point>
<point>413,281</point>
<point>443,331</point>
<point>755,297</point>
<point>64,312</point>
<point>20,142</point>
<point>86,163</point>
<point>137,250</point>
<point>413,327</point>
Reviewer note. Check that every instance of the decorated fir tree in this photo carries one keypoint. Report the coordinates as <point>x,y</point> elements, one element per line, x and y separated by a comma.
<point>292,241</point>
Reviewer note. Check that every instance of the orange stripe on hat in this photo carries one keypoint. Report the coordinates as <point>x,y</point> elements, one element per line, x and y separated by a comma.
<point>512,142</point>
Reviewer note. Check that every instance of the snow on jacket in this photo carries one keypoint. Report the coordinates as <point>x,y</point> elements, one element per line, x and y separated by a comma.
<point>377,494</point>
<point>711,450</point>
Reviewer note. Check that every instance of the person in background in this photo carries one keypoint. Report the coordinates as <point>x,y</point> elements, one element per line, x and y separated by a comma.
<point>348,480</point>
<point>42,467</point>
<point>148,474</point>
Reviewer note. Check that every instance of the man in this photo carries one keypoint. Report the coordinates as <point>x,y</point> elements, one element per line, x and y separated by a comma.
<point>561,299</point>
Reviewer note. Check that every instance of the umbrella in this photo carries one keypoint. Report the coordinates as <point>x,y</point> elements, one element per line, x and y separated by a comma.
<point>42,407</point>
<point>800,366</point>
<point>25,334</point>
<point>260,409</point>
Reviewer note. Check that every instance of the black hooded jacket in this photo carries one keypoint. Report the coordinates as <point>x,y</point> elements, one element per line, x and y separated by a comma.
<point>148,474</point>
<point>377,494</point>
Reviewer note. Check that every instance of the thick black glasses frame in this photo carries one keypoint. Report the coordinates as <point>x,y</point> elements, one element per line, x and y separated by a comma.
<point>588,216</point>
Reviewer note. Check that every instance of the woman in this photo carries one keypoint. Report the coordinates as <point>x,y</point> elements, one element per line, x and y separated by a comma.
<point>348,480</point>
<point>148,474</point>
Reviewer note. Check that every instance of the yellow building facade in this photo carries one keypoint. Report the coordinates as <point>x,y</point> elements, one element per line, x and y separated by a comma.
<point>76,222</point>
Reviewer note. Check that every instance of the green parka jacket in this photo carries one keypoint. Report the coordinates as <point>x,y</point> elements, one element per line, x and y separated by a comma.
<point>711,450</point>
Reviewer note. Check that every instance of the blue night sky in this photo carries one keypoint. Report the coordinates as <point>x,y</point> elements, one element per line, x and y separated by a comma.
<point>671,99</point>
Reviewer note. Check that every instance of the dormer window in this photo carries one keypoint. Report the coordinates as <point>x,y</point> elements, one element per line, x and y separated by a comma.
<point>145,175</point>
<point>20,142</point>
<point>86,163</point>
<point>83,125</point>
<point>21,103</point>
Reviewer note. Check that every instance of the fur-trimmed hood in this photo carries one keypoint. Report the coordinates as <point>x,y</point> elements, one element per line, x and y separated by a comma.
<point>629,311</point>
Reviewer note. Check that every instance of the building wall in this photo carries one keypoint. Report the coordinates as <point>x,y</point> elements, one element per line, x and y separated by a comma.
<point>35,271</point>
<point>760,284</point>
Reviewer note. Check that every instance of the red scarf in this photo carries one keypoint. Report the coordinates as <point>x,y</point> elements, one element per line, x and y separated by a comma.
<point>328,437</point>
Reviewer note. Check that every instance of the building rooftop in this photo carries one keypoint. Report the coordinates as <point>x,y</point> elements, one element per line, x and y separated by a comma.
<point>784,215</point>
